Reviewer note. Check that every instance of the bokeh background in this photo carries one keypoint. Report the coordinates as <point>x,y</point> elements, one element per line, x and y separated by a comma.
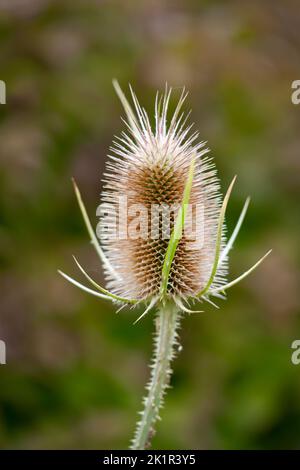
<point>75,370</point>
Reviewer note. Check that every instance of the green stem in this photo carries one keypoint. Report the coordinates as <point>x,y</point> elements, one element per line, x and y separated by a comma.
<point>165,340</point>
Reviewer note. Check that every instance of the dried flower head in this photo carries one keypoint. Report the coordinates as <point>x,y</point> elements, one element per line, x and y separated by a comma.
<point>150,167</point>
<point>160,167</point>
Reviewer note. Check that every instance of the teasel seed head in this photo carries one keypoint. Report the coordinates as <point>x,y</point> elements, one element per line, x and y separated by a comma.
<point>149,166</point>
<point>164,166</point>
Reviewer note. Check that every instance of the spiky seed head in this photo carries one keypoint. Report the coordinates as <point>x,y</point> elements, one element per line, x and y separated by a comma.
<point>148,166</point>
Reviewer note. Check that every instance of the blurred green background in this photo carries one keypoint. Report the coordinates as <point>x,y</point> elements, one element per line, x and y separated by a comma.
<point>75,370</point>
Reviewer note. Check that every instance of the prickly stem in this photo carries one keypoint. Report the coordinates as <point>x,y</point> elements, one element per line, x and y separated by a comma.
<point>165,341</point>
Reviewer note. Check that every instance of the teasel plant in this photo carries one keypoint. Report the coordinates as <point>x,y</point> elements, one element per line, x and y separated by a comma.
<point>162,163</point>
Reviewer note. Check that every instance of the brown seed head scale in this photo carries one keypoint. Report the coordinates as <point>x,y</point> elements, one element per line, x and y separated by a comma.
<point>149,166</point>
